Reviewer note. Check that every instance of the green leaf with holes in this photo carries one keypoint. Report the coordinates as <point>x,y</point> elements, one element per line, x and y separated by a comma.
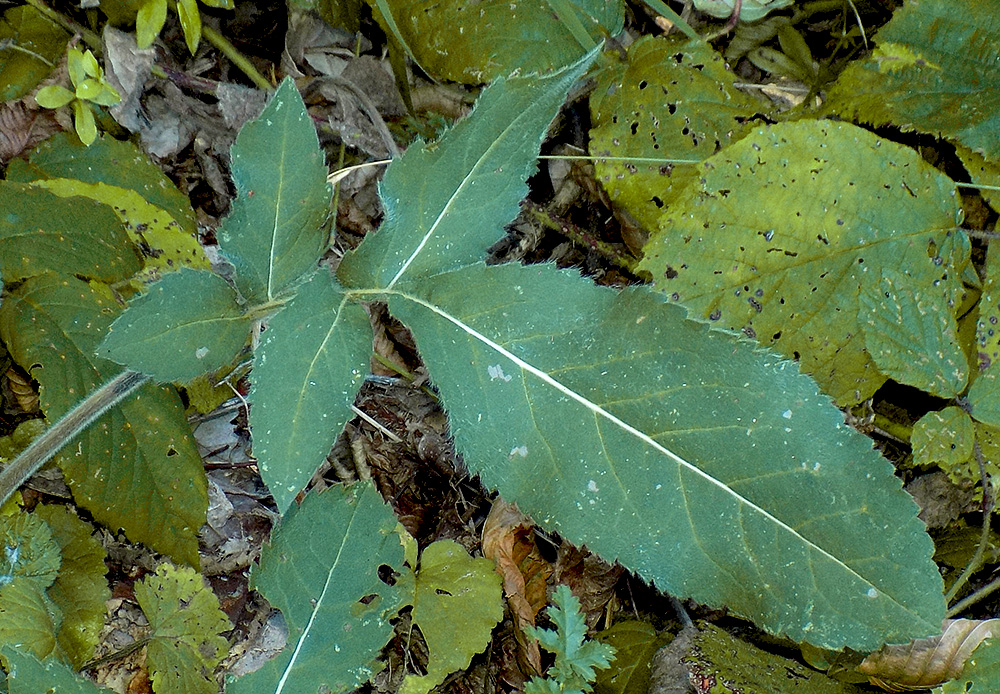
<point>456,603</point>
<point>477,43</point>
<point>934,70</point>
<point>943,437</point>
<point>788,233</point>
<point>671,100</point>
<point>137,467</point>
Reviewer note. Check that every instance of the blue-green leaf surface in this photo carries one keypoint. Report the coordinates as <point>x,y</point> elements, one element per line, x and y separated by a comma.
<point>323,560</point>
<point>307,370</point>
<point>187,324</point>
<point>712,468</point>
<point>29,675</point>
<point>446,203</point>
<point>273,235</point>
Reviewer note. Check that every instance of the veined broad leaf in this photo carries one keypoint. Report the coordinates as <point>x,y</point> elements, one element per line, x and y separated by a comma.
<point>935,70</point>
<point>788,228</point>
<point>321,570</point>
<point>458,197</point>
<point>713,469</point>
<point>184,325</point>
<point>477,43</point>
<point>41,232</point>
<point>306,374</point>
<point>274,233</point>
<point>29,565</point>
<point>136,467</point>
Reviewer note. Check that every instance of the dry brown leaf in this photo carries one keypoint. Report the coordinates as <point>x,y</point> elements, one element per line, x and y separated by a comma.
<point>592,580</point>
<point>508,540</point>
<point>926,663</point>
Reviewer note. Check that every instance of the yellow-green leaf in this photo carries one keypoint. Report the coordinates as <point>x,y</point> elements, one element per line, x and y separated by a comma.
<point>54,96</point>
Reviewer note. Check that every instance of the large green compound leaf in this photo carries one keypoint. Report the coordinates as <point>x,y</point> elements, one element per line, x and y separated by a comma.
<point>137,466</point>
<point>474,43</point>
<point>786,228</point>
<point>711,468</point>
<point>307,370</point>
<point>459,197</point>
<point>274,233</point>
<point>934,70</point>
<point>671,100</point>
<point>321,570</point>
<point>184,325</point>
<point>41,232</point>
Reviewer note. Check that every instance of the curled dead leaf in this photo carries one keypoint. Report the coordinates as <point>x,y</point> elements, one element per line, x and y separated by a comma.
<point>926,663</point>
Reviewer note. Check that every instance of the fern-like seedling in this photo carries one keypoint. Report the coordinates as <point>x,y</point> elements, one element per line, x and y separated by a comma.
<point>576,657</point>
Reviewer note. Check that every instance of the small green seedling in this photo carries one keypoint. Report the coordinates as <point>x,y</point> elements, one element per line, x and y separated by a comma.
<point>153,14</point>
<point>89,87</point>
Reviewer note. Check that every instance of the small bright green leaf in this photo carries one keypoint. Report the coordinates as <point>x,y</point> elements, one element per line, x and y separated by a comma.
<point>149,21</point>
<point>321,571</point>
<point>307,370</point>
<point>671,100</point>
<point>716,656</point>
<point>41,232</point>
<point>90,66</point>
<point>750,10</point>
<point>577,659</point>
<point>457,603</point>
<point>951,87</point>
<point>186,324</point>
<point>36,44</point>
<point>54,96</point>
<point>273,235</point>
<point>477,43</point>
<point>787,228</point>
<point>74,66</point>
<point>190,17</point>
<point>186,622</point>
<point>29,563</point>
<point>118,165</point>
<point>478,172</point>
<point>673,450</point>
<point>28,675</point>
<point>137,467</point>
<point>88,89</point>
<point>912,335</point>
<point>83,121</point>
<point>981,674</point>
<point>944,437</point>
<point>81,588</point>
<point>635,643</point>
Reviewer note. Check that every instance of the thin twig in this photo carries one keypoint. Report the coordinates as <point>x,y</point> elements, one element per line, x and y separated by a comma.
<point>984,537</point>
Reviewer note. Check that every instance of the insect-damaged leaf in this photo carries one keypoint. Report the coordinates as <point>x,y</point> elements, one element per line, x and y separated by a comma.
<point>273,234</point>
<point>711,468</point>
<point>306,374</point>
<point>672,99</point>
<point>327,586</point>
<point>136,467</point>
<point>787,227</point>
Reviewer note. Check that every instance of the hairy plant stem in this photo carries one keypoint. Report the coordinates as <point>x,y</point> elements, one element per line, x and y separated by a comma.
<point>62,432</point>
